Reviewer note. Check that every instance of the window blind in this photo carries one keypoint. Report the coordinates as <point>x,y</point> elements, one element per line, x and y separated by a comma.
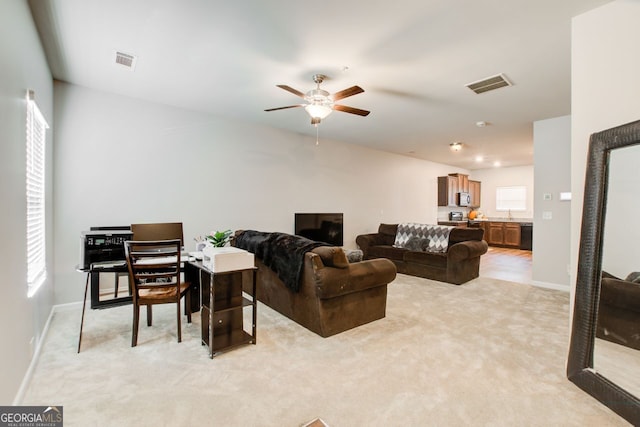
<point>511,198</point>
<point>35,186</point>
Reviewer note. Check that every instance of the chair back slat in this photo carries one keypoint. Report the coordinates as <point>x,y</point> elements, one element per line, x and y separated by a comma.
<point>153,264</point>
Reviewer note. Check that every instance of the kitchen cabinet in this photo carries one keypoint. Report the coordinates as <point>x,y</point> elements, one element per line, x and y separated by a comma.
<point>449,186</point>
<point>447,190</point>
<point>463,182</point>
<point>503,234</point>
<point>474,192</point>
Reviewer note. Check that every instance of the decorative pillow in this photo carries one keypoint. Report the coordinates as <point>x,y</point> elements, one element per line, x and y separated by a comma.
<point>417,244</point>
<point>353,255</point>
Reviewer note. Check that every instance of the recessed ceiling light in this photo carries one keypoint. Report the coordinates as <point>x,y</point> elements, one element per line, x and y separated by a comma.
<point>496,164</point>
<point>481,124</point>
<point>479,159</point>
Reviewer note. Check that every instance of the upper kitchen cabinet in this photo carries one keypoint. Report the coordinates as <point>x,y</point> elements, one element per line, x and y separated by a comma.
<point>453,184</point>
<point>474,192</point>
<point>447,190</point>
<point>463,182</point>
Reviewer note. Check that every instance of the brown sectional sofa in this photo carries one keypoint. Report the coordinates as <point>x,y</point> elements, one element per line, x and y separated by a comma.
<point>459,264</point>
<point>333,294</point>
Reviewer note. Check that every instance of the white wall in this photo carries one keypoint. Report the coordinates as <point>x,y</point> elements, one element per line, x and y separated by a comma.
<point>504,177</point>
<point>605,88</point>
<point>121,161</point>
<point>552,170</point>
<point>22,66</point>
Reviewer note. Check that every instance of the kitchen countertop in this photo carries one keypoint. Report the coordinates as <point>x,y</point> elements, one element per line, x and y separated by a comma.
<point>521,221</point>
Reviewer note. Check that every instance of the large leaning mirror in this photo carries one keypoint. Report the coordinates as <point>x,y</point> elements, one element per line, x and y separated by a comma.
<point>604,354</point>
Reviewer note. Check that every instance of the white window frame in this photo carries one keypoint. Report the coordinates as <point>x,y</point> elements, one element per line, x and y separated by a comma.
<point>35,195</point>
<point>513,198</point>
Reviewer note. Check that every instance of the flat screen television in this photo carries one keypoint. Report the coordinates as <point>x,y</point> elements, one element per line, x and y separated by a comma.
<point>321,227</point>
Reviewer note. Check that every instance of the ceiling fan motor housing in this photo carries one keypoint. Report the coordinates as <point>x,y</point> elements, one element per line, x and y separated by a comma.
<point>318,96</point>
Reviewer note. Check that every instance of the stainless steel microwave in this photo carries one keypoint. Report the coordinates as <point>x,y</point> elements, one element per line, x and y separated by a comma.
<point>464,199</point>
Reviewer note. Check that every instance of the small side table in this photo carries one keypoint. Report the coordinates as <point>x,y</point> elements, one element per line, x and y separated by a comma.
<point>223,304</point>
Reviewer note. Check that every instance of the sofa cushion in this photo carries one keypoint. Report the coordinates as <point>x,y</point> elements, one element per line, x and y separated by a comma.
<point>388,252</point>
<point>332,256</point>
<point>426,258</point>
<point>388,233</point>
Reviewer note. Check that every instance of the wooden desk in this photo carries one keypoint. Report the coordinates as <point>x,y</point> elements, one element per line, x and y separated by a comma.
<point>222,306</point>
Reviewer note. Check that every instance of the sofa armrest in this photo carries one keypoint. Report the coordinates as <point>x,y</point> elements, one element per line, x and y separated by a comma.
<point>364,241</point>
<point>466,250</point>
<point>359,276</point>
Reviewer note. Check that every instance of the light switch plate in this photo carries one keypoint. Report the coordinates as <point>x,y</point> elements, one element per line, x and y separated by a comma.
<point>546,196</point>
<point>547,215</point>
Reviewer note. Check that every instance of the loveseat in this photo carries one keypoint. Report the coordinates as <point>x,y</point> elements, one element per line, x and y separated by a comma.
<point>619,310</point>
<point>446,254</point>
<point>314,284</point>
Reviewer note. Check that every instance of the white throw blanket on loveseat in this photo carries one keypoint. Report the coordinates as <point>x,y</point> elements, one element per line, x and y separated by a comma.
<point>435,237</point>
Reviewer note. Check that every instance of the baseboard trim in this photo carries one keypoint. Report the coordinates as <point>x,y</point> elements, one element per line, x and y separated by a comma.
<point>36,354</point>
<point>554,286</point>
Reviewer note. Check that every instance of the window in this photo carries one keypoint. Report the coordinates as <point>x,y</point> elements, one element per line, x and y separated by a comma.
<point>35,183</point>
<point>511,198</point>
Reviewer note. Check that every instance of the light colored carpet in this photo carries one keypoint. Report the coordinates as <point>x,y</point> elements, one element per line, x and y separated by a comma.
<point>488,353</point>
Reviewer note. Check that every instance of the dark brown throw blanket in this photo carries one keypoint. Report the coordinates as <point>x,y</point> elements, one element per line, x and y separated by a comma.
<point>283,253</point>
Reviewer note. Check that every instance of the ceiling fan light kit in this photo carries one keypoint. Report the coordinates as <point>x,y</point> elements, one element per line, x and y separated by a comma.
<point>321,103</point>
<point>456,146</point>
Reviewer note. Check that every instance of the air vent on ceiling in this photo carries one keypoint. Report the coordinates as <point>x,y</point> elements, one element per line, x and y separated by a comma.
<point>126,60</point>
<point>490,83</point>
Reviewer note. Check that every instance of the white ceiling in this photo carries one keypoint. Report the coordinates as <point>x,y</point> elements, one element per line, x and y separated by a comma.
<point>413,58</point>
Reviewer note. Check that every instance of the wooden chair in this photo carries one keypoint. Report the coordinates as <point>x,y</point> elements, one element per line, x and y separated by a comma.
<point>154,274</point>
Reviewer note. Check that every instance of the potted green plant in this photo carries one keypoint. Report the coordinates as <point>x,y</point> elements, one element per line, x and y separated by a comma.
<point>219,239</point>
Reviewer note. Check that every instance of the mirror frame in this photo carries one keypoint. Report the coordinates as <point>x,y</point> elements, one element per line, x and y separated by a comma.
<point>580,368</point>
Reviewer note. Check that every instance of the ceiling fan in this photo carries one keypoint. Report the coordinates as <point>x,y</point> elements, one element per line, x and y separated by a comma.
<point>321,103</point>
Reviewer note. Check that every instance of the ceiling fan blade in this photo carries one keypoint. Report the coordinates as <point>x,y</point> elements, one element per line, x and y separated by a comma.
<point>351,110</point>
<point>353,90</point>
<point>283,108</point>
<point>292,90</point>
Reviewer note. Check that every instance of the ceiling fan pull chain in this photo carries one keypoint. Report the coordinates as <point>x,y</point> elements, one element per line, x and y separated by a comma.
<point>317,143</point>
